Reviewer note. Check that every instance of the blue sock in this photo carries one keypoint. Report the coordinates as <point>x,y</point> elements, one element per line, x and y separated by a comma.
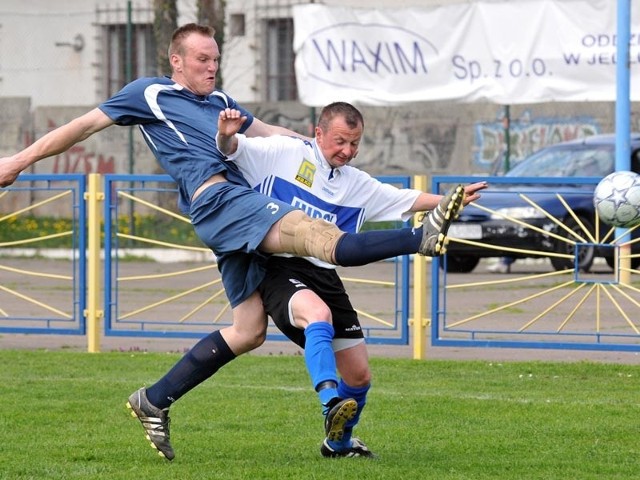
<point>359,249</point>
<point>320,359</point>
<point>359,394</point>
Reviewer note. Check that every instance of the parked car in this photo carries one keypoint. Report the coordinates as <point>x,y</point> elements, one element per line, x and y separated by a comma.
<point>590,157</point>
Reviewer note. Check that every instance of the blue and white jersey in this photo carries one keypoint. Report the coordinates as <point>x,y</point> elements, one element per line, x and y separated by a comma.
<point>295,171</point>
<point>180,129</point>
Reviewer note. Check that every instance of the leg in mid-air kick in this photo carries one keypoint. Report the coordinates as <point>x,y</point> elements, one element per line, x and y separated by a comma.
<point>300,235</point>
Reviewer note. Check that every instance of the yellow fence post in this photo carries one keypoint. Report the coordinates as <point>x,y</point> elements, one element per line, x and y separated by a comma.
<point>419,320</point>
<point>93,314</point>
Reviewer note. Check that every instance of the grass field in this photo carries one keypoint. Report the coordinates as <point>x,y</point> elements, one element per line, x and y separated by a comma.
<point>63,416</point>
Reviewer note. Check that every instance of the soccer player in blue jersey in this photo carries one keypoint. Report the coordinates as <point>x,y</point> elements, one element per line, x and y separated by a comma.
<point>305,296</point>
<point>178,116</point>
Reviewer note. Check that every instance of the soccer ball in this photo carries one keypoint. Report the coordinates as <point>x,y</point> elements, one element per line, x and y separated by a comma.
<point>617,199</point>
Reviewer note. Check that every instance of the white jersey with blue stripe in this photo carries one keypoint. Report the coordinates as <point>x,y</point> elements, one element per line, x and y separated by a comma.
<point>294,171</point>
<point>180,129</point>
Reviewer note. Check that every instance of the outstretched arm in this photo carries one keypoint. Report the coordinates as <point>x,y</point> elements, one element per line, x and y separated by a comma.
<point>53,143</point>
<point>260,129</point>
<point>229,123</point>
<point>428,201</point>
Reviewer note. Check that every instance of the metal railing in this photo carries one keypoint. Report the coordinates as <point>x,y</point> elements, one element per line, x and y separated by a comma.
<point>584,305</point>
<point>38,292</point>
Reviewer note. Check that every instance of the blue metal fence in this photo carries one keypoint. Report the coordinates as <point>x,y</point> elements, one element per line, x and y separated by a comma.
<point>537,307</point>
<point>38,294</point>
<point>534,309</point>
<point>185,299</point>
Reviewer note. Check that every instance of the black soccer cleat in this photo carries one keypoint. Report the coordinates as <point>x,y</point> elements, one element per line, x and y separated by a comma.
<point>154,421</point>
<point>357,449</point>
<point>339,412</point>
<point>437,222</point>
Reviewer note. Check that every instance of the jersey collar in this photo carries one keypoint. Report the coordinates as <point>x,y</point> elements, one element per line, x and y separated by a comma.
<point>328,170</point>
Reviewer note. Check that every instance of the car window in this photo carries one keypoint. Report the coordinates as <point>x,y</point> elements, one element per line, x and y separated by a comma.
<point>591,163</point>
<point>573,161</point>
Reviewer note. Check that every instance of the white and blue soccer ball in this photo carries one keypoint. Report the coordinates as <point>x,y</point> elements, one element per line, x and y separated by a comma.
<point>617,199</point>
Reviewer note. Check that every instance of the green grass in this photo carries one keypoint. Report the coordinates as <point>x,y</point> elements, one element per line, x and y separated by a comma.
<point>159,228</point>
<point>63,417</point>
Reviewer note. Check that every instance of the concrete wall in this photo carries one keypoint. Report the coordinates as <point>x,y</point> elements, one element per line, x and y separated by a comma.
<point>426,138</point>
<point>37,39</point>
<point>449,138</point>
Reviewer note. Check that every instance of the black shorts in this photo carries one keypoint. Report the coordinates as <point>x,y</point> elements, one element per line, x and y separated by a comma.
<point>282,281</point>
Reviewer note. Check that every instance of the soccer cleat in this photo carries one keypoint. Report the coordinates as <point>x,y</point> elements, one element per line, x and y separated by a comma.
<point>339,412</point>
<point>154,421</point>
<point>437,222</point>
<point>357,449</point>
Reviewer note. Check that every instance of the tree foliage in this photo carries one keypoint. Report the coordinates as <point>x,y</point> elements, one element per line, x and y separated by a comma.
<point>165,22</point>
<point>211,12</point>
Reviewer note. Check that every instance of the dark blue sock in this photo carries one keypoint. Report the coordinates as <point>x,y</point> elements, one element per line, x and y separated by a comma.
<point>353,249</point>
<point>203,360</point>
<point>320,359</point>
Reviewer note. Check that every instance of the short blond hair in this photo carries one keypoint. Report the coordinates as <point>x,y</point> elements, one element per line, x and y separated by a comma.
<point>179,35</point>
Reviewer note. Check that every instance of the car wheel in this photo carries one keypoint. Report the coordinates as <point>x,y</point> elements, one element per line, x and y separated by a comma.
<point>460,263</point>
<point>635,262</point>
<point>586,254</point>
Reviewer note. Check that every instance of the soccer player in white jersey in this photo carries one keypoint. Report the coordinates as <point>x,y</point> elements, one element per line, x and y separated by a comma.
<point>177,116</point>
<point>305,297</point>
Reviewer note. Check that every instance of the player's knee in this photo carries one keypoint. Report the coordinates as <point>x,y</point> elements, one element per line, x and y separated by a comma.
<point>306,236</point>
<point>307,308</point>
<point>252,340</point>
<point>248,336</point>
<point>354,368</point>
<point>318,312</point>
<point>360,377</point>
<point>258,339</point>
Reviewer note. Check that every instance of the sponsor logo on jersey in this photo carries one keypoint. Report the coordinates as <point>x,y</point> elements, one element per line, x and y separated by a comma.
<point>352,328</point>
<point>328,192</point>
<point>313,211</point>
<point>306,172</point>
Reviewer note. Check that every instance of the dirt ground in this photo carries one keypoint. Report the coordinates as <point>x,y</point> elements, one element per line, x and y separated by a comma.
<point>360,295</point>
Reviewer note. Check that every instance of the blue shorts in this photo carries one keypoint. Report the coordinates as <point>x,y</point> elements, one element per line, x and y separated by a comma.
<point>232,220</point>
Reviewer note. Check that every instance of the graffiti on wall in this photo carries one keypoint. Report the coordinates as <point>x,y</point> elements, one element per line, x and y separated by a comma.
<point>300,123</point>
<point>403,144</point>
<point>526,135</point>
<point>79,160</point>
<point>395,141</point>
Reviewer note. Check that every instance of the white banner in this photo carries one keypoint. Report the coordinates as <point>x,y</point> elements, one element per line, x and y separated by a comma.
<point>501,52</point>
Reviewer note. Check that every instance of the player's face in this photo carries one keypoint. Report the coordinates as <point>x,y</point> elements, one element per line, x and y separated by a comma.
<point>196,69</point>
<point>339,143</point>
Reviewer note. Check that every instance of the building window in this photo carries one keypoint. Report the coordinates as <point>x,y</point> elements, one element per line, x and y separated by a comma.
<point>117,65</point>
<point>280,74</point>
<point>237,25</point>
<point>121,67</point>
